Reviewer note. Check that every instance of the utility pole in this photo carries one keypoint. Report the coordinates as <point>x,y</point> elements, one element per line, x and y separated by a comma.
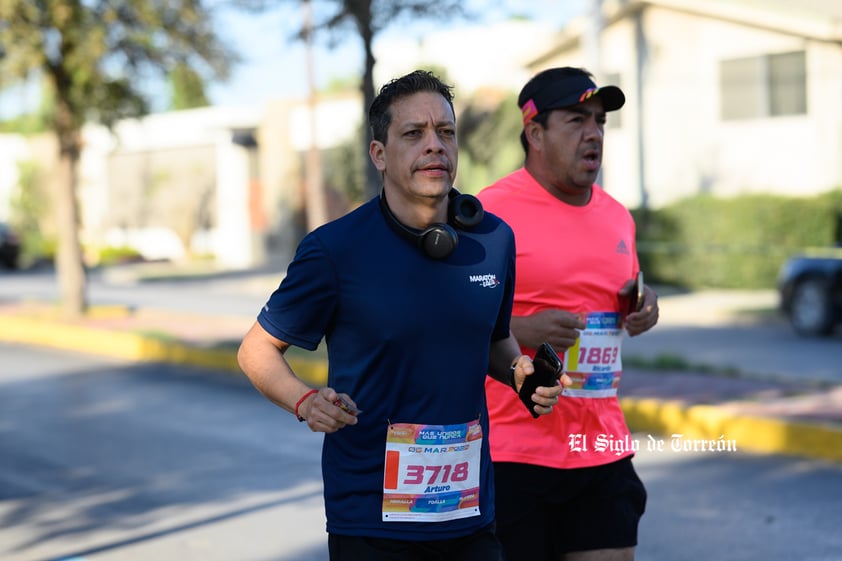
<point>314,199</point>
<point>592,48</point>
<point>593,37</point>
<point>640,63</point>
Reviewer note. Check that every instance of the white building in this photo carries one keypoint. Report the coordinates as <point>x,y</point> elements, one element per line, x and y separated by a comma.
<point>723,96</point>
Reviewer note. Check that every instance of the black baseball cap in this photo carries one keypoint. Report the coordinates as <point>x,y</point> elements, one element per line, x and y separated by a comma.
<point>557,88</point>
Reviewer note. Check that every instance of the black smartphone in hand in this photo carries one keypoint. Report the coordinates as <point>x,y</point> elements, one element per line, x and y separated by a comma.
<point>635,298</point>
<point>548,367</point>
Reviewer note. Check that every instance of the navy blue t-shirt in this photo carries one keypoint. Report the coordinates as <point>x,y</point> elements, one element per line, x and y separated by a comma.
<point>407,338</point>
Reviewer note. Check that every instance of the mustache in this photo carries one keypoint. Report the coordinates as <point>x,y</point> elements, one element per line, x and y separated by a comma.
<point>435,163</point>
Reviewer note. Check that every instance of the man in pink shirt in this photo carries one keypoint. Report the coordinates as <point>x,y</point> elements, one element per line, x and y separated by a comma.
<point>566,488</point>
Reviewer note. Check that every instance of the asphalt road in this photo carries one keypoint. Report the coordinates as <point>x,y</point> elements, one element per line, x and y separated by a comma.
<point>106,460</point>
<point>234,293</point>
<point>740,332</point>
<point>733,331</point>
<point>111,460</point>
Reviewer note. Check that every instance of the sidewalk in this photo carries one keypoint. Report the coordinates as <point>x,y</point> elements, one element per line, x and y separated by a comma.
<point>706,409</point>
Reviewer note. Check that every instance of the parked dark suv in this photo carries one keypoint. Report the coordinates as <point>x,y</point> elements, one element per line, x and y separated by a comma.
<point>9,246</point>
<point>810,289</point>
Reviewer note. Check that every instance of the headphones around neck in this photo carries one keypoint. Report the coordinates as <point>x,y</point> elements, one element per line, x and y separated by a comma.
<point>439,240</point>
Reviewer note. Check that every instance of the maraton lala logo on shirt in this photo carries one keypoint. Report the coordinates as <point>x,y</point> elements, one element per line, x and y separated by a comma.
<point>486,281</point>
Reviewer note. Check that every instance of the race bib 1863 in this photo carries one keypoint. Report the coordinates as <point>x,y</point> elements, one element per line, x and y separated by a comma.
<point>594,362</point>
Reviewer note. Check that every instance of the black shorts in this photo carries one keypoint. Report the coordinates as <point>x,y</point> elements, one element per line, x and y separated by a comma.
<point>480,546</point>
<point>544,512</point>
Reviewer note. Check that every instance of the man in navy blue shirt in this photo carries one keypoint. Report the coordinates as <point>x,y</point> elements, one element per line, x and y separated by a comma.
<point>412,292</point>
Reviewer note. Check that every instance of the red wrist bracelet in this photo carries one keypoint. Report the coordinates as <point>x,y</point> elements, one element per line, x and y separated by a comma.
<point>300,401</point>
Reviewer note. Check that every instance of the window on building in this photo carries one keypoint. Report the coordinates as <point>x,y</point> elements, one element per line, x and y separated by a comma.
<point>763,86</point>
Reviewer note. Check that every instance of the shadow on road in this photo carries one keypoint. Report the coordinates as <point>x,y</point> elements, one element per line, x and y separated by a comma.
<point>139,451</point>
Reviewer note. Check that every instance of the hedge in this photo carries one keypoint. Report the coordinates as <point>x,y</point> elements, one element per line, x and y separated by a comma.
<point>741,242</point>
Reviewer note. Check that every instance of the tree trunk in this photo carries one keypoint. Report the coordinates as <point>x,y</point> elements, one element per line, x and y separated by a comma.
<point>373,182</point>
<point>69,263</point>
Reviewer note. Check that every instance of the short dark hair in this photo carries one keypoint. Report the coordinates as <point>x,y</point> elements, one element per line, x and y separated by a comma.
<point>380,114</point>
<point>541,119</point>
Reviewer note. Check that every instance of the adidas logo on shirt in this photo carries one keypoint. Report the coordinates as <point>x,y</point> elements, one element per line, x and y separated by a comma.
<point>622,248</point>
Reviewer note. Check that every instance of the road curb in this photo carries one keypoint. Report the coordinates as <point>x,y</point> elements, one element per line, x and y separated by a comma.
<point>709,428</point>
<point>135,347</point>
<point>702,426</point>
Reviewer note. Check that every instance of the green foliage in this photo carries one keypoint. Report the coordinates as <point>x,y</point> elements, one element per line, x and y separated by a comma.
<point>339,84</point>
<point>29,212</point>
<point>95,56</point>
<point>733,243</point>
<point>118,255</point>
<point>369,17</point>
<point>27,124</point>
<point>343,168</point>
<point>187,89</point>
<point>489,147</point>
<point>30,123</point>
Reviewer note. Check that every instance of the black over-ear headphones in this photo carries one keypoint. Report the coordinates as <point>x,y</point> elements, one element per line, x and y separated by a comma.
<point>439,240</point>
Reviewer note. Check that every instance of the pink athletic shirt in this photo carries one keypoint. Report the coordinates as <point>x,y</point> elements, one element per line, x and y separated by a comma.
<point>575,259</point>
